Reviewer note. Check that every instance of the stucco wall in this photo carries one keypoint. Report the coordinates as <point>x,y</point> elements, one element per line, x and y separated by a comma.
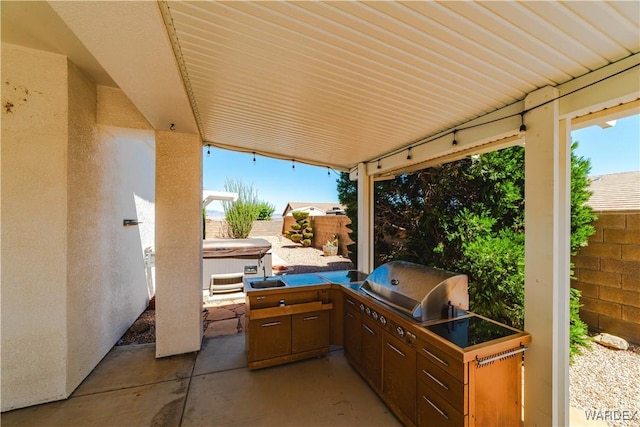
<point>34,224</point>
<point>107,288</point>
<point>607,273</point>
<point>73,278</point>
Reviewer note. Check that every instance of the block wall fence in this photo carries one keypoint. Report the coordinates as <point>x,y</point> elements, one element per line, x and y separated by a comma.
<point>607,272</point>
<point>324,228</point>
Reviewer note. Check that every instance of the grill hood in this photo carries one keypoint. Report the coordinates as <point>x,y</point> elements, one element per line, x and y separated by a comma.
<point>418,291</point>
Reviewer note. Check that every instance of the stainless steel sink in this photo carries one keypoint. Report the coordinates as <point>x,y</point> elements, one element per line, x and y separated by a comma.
<point>263,284</point>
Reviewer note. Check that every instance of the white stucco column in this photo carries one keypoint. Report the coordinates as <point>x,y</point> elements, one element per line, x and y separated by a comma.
<point>178,243</point>
<point>365,220</point>
<point>547,231</point>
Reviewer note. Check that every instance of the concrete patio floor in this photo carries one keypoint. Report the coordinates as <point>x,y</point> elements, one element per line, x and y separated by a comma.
<point>213,387</point>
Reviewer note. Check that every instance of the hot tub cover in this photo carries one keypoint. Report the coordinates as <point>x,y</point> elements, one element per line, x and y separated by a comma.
<point>230,248</point>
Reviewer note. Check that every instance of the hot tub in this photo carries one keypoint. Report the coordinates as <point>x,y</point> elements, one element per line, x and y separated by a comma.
<point>223,260</point>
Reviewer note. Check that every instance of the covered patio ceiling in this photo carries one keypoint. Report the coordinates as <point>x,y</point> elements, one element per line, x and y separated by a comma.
<point>333,83</point>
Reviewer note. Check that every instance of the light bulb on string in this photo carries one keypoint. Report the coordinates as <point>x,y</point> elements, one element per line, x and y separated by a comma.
<point>254,157</point>
<point>523,127</point>
<point>293,164</point>
<point>409,156</point>
<point>208,150</point>
<point>328,172</point>
<point>454,142</point>
<point>379,167</point>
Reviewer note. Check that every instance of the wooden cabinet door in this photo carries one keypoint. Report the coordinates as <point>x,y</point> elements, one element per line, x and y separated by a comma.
<point>399,375</point>
<point>269,338</point>
<point>372,353</point>
<point>352,333</point>
<point>309,331</point>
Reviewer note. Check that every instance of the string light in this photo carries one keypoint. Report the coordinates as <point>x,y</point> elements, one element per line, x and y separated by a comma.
<point>208,150</point>
<point>523,127</point>
<point>328,172</point>
<point>379,167</point>
<point>409,157</point>
<point>454,142</point>
<point>254,157</point>
<point>293,164</point>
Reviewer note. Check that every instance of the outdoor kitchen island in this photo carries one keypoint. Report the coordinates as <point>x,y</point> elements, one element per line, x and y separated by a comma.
<point>458,370</point>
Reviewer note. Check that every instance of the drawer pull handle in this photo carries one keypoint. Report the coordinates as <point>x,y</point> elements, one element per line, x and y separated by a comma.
<point>371,331</point>
<point>261,298</point>
<point>266,325</point>
<point>351,315</point>
<point>435,407</point>
<point>311,318</point>
<point>396,350</point>
<point>435,357</point>
<point>437,381</point>
<point>351,302</point>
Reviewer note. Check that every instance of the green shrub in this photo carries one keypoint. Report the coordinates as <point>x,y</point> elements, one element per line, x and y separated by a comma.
<point>241,213</point>
<point>468,216</point>
<point>265,211</point>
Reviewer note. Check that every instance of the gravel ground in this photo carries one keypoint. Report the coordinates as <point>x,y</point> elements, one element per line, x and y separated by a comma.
<point>305,260</point>
<point>602,379</point>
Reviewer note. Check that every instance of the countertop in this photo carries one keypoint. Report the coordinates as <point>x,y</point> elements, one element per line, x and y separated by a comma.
<point>347,278</point>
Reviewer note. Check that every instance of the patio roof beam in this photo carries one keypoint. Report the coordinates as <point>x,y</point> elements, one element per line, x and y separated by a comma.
<point>609,86</point>
<point>486,130</point>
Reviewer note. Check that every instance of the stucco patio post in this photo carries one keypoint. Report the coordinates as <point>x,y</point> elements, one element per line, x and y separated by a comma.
<point>547,222</point>
<point>178,243</point>
<point>365,220</point>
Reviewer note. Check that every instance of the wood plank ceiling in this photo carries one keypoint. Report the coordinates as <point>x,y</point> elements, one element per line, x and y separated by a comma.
<point>337,83</point>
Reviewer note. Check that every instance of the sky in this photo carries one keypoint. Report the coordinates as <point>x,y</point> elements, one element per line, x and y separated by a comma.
<point>611,150</point>
<point>274,180</point>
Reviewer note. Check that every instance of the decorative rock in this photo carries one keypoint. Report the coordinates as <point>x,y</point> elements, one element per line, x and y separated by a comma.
<point>611,341</point>
<point>140,326</point>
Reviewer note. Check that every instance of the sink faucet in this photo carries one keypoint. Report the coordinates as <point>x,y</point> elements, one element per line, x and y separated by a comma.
<point>264,272</point>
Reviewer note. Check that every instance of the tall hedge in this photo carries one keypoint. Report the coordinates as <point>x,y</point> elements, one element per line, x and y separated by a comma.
<point>468,216</point>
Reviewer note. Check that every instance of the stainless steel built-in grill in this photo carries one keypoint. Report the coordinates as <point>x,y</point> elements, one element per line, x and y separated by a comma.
<point>421,292</point>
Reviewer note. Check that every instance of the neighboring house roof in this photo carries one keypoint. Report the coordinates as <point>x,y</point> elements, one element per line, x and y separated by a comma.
<point>616,191</point>
<point>323,206</point>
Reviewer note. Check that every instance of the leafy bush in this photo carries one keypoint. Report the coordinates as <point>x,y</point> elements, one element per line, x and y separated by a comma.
<point>265,211</point>
<point>468,216</point>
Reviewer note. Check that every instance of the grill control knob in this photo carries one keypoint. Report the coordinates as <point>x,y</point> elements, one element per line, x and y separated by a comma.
<point>374,315</point>
<point>400,331</point>
<point>410,337</point>
<point>361,307</point>
<point>368,311</point>
<point>383,320</point>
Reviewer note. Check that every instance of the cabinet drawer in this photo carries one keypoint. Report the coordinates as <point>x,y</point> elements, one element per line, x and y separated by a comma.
<point>434,411</point>
<point>450,388</point>
<point>273,300</point>
<point>310,331</point>
<point>443,360</point>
